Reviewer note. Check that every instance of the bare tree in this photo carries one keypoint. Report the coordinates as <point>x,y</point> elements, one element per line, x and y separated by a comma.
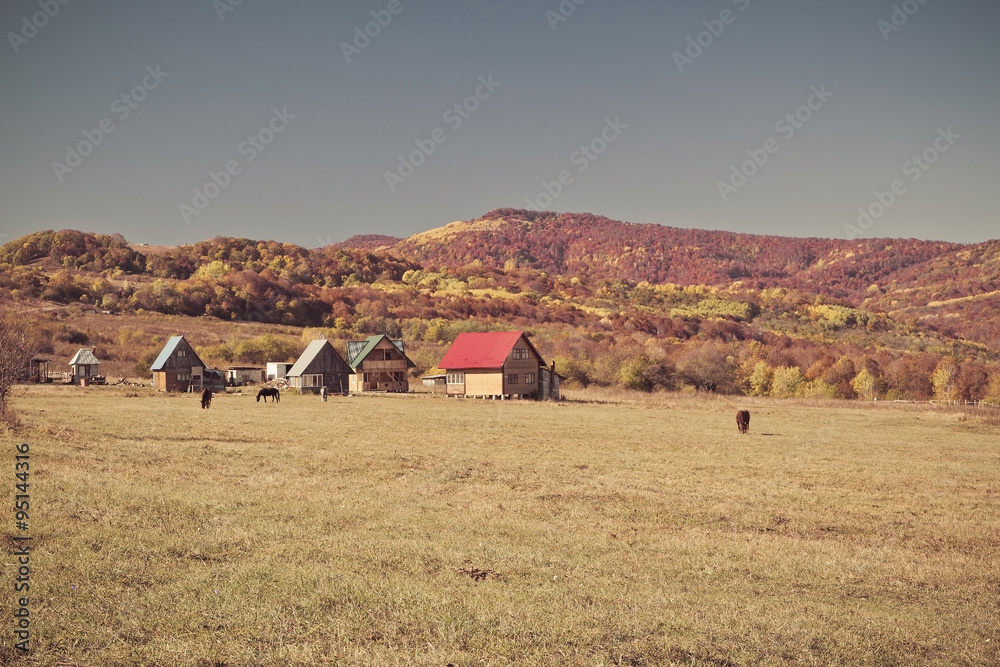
<point>16,347</point>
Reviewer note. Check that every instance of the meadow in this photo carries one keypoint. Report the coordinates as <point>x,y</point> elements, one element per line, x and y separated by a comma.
<point>419,530</point>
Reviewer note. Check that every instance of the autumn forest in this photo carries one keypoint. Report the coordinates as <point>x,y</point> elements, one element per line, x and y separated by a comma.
<point>638,306</point>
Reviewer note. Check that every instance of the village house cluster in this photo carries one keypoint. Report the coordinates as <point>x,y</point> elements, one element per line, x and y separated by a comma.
<point>501,364</point>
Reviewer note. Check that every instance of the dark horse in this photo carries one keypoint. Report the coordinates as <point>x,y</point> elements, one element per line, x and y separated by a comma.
<point>268,391</point>
<point>743,421</point>
<point>206,398</point>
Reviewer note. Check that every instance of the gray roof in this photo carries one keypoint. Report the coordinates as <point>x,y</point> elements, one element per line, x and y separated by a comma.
<point>357,350</point>
<point>306,358</point>
<point>168,350</point>
<point>84,357</point>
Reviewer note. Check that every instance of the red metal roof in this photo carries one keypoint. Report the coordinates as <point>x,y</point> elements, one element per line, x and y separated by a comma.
<point>480,350</point>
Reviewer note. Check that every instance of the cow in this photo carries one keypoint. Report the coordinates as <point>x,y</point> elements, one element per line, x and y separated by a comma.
<point>268,391</point>
<point>743,421</point>
<point>206,399</point>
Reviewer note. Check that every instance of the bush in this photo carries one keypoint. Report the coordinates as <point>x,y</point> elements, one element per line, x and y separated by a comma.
<point>818,388</point>
<point>786,381</point>
<point>261,349</point>
<point>644,373</point>
<point>145,361</point>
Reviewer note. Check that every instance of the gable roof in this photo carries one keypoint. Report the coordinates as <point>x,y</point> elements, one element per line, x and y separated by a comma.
<point>483,350</point>
<point>169,349</point>
<point>307,357</point>
<point>357,350</point>
<point>84,356</point>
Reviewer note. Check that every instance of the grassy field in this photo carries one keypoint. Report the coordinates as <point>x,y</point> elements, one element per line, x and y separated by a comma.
<point>426,531</point>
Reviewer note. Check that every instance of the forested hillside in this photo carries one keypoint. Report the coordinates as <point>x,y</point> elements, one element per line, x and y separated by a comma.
<point>642,306</point>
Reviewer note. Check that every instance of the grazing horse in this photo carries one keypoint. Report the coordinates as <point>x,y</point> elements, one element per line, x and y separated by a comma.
<point>268,391</point>
<point>206,398</point>
<point>743,421</point>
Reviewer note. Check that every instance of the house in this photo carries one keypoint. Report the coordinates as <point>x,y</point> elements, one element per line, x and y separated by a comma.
<point>239,376</point>
<point>319,366</point>
<point>84,366</point>
<point>277,370</point>
<point>178,368</point>
<point>497,363</point>
<point>378,364</point>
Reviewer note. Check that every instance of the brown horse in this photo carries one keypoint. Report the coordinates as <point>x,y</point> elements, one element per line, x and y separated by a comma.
<point>268,391</point>
<point>206,398</point>
<point>743,421</point>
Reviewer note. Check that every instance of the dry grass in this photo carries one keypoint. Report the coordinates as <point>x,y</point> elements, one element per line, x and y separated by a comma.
<point>607,530</point>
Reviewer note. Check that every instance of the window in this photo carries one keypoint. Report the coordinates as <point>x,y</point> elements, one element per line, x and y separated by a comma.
<point>529,378</point>
<point>456,378</point>
<point>181,353</point>
<point>183,377</point>
<point>519,353</point>
<point>512,378</point>
<point>313,380</point>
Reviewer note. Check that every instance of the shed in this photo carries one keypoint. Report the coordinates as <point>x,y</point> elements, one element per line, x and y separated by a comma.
<point>238,376</point>
<point>277,370</point>
<point>378,364</point>
<point>84,365</point>
<point>37,370</point>
<point>496,364</point>
<point>178,368</point>
<point>319,366</point>
<point>436,383</point>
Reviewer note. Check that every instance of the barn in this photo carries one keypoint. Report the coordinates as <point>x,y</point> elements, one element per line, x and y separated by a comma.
<point>319,366</point>
<point>497,364</point>
<point>178,368</point>
<point>84,366</point>
<point>378,364</point>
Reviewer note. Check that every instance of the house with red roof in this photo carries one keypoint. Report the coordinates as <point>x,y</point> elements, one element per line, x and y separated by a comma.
<point>497,364</point>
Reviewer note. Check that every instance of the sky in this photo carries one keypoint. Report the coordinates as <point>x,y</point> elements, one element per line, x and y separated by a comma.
<point>309,122</point>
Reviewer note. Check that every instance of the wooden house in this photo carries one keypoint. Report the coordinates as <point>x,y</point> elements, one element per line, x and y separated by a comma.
<point>84,366</point>
<point>497,364</point>
<point>319,366</point>
<point>178,368</point>
<point>378,364</point>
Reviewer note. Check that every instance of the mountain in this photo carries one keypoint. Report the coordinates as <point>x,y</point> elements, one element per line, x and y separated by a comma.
<point>584,244</point>
<point>613,302</point>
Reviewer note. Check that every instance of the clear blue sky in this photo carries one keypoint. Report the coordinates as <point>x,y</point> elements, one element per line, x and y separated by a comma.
<point>677,134</point>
